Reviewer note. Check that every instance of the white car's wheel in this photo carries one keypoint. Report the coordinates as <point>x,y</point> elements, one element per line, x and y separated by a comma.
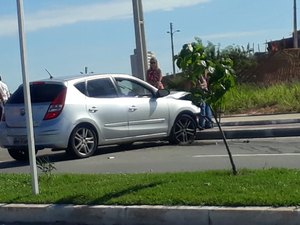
<point>184,130</point>
<point>83,142</point>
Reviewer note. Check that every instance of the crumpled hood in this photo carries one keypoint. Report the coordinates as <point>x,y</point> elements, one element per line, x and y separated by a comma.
<point>183,95</point>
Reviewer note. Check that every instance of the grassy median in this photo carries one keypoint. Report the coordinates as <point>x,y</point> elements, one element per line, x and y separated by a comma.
<point>247,98</point>
<point>268,187</point>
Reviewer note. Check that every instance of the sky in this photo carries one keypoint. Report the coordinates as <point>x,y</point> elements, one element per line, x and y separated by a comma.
<point>65,36</point>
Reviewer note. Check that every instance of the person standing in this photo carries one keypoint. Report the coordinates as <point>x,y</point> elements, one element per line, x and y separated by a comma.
<point>205,120</point>
<point>154,75</point>
<point>4,96</point>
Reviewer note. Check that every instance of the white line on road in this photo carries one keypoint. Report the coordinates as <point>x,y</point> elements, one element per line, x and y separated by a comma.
<point>247,155</point>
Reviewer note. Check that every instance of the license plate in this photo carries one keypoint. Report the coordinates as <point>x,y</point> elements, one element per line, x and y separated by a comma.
<point>21,140</point>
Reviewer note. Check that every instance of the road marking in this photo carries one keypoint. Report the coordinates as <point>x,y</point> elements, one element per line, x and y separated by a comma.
<point>247,155</point>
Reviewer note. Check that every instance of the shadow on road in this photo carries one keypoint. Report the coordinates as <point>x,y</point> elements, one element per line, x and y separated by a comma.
<point>103,150</point>
<point>59,156</point>
<point>11,164</point>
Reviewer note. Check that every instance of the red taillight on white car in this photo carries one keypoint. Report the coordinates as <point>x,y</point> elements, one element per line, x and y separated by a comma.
<point>56,106</point>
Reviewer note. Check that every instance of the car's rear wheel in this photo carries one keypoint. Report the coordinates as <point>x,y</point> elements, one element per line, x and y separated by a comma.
<point>21,154</point>
<point>184,130</point>
<point>83,142</point>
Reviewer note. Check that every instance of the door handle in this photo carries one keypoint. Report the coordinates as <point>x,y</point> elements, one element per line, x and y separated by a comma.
<point>132,108</point>
<point>93,109</point>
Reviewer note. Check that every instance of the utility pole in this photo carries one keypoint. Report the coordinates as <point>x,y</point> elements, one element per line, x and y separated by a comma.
<point>171,32</point>
<point>139,27</point>
<point>295,26</point>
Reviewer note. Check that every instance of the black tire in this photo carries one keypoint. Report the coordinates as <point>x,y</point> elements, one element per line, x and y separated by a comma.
<point>183,130</point>
<point>21,154</point>
<point>83,142</point>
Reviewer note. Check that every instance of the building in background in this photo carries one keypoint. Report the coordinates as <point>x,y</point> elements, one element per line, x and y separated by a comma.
<point>149,56</point>
<point>284,43</point>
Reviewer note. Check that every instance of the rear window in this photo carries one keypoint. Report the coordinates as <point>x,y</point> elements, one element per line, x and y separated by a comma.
<point>40,92</point>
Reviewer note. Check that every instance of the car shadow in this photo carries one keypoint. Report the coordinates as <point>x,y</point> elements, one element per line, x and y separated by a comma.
<point>12,164</point>
<point>102,150</point>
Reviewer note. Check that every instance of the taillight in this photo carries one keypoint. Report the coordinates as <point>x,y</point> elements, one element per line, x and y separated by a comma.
<point>56,106</point>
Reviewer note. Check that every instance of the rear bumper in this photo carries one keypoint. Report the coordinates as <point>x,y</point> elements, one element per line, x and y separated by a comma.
<point>43,137</point>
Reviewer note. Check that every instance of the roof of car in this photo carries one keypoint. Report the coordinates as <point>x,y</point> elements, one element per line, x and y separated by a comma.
<point>80,76</point>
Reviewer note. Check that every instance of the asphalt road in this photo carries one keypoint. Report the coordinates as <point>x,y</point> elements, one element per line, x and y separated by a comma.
<point>161,157</point>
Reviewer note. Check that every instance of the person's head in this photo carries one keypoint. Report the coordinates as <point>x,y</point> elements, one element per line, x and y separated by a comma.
<point>153,62</point>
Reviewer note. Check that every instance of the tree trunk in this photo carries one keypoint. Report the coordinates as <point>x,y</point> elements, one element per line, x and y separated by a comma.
<point>225,142</point>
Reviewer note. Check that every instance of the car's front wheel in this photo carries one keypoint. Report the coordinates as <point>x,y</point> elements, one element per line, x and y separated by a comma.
<point>83,142</point>
<point>184,130</point>
<point>21,154</point>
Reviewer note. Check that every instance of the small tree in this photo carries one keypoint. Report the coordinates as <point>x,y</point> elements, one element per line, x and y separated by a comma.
<point>195,60</point>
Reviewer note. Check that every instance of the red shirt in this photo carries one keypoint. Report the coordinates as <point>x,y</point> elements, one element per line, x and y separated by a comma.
<point>154,78</point>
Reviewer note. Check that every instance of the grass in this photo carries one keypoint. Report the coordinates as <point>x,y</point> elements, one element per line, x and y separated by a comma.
<point>268,187</point>
<point>280,98</point>
<point>253,98</point>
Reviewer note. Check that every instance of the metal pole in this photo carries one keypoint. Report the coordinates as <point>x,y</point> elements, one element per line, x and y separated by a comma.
<point>143,39</point>
<point>295,26</point>
<point>29,123</point>
<point>172,46</point>
<point>171,32</point>
<point>140,39</point>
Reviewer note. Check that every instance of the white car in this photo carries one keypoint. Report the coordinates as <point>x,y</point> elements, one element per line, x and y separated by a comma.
<point>79,113</point>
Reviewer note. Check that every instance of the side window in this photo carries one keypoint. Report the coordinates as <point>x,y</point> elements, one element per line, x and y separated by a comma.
<point>101,88</point>
<point>81,87</point>
<point>124,86</point>
<point>131,88</point>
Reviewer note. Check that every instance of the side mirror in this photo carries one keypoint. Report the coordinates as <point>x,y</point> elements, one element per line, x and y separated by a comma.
<point>162,93</point>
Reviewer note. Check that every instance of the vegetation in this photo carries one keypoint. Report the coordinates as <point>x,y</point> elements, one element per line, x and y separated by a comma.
<point>251,98</point>
<point>197,60</point>
<point>268,187</point>
<point>243,97</point>
<point>243,60</point>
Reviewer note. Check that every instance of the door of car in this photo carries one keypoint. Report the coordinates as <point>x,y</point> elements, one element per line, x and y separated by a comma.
<point>146,114</point>
<point>107,109</point>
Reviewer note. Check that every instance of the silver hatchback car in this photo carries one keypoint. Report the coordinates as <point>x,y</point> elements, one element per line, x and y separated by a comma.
<point>79,113</point>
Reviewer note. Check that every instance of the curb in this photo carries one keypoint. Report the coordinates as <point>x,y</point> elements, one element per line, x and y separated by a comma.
<point>147,215</point>
<point>252,127</point>
<point>254,132</point>
<point>260,122</point>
